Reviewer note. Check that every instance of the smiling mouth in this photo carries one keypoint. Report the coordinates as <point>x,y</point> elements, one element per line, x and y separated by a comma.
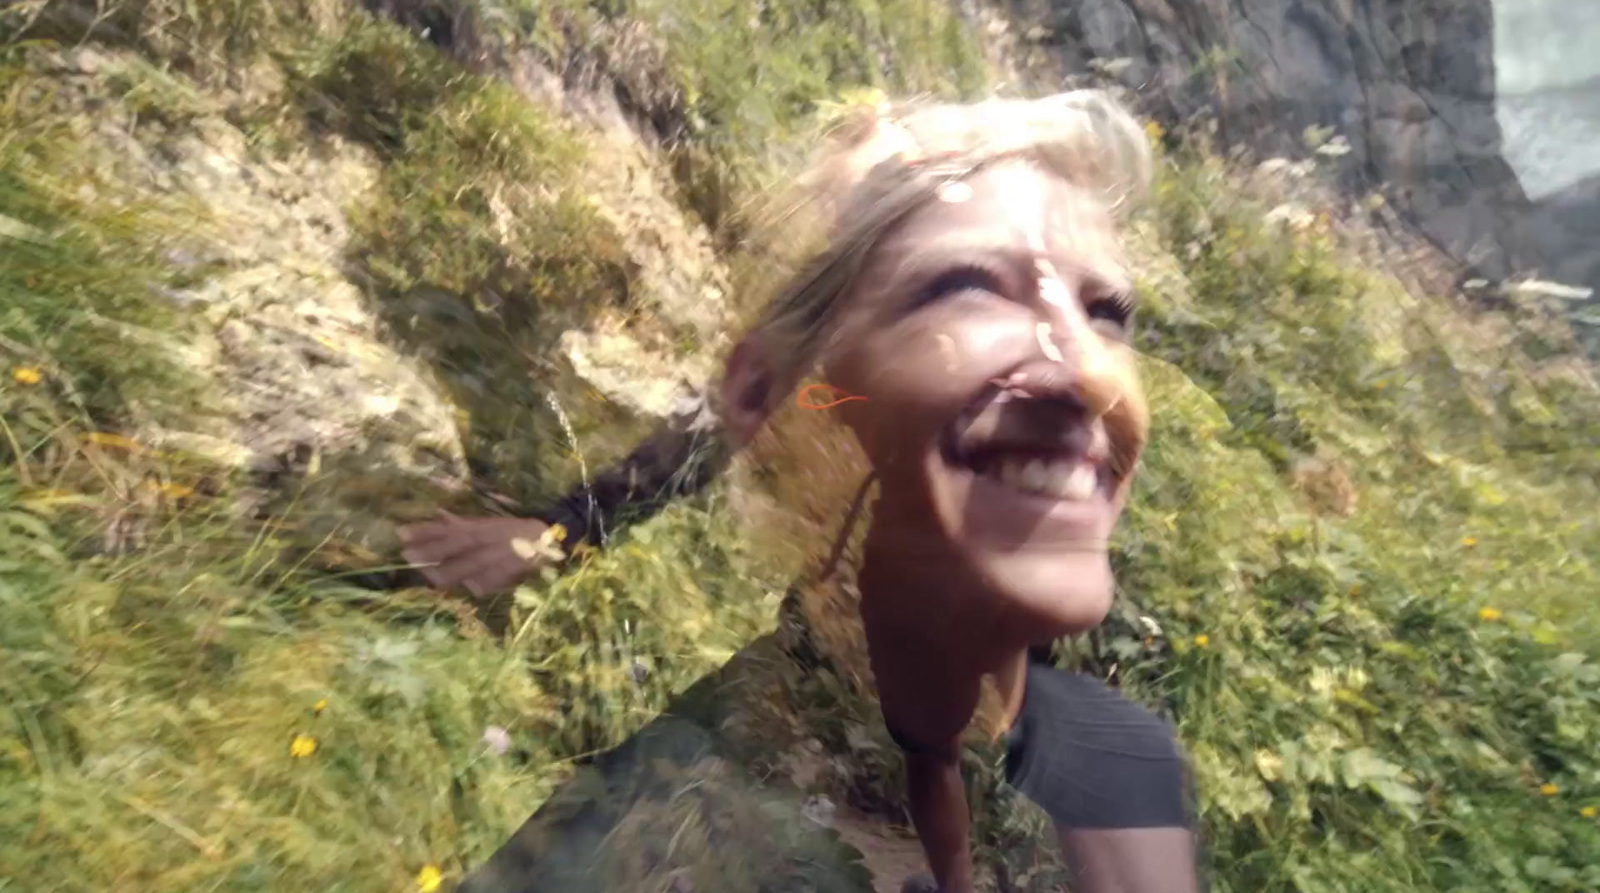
<point>1054,463</point>
<point>1051,474</point>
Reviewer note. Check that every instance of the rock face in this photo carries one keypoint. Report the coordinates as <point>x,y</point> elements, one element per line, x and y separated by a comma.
<point>304,372</point>
<point>1551,133</point>
<point>1410,87</point>
<point>1566,226</point>
<point>672,264</point>
<point>294,352</point>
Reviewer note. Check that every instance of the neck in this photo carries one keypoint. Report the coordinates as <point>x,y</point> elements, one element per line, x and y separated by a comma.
<point>932,603</point>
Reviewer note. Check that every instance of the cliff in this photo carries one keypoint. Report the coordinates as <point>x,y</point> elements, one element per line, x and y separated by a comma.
<point>1407,89</point>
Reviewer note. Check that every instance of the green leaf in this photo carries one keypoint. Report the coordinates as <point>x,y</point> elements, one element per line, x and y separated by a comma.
<point>1362,766</point>
<point>28,524</point>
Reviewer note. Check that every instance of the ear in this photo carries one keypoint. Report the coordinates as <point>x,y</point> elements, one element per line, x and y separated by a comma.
<point>749,385</point>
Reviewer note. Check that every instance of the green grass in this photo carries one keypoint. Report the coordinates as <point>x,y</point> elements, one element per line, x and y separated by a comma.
<point>1356,722</point>
<point>750,74</point>
<point>153,691</point>
<point>68,256</point>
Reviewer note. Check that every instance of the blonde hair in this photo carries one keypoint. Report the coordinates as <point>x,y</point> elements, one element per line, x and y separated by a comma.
<point>880,163</point>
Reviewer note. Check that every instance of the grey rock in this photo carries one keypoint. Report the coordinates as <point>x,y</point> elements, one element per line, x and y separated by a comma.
<point>819,809</point>
<point>1410,87</point>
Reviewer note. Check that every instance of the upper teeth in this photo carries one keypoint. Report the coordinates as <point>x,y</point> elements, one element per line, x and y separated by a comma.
<point>1062,478</point>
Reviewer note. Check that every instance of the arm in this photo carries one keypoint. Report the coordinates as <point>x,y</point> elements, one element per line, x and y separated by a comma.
<point>488,555</point>
<point>939,810</point>
<point>937,795</point>
<point>683,456</point>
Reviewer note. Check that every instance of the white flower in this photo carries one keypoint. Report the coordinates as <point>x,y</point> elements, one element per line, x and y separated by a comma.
<point>497,739</point>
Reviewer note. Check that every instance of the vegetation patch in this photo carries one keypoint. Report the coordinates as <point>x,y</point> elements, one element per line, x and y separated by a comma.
<point>1359,569</point>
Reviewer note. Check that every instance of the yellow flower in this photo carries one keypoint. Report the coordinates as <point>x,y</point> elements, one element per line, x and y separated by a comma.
<point>176,491</point>
<point>1488,615</point>
<point>863,96</point>
<point>1202,640</point>
<point>1589,812</point>
<point>116,441</point>
<point>303,745</point>
<point>1154,130</point>
<point>1469,541</point>
<point>26,375</point>
<point>319,706</point>
<point>429,878</point>
<point>1549,790</point>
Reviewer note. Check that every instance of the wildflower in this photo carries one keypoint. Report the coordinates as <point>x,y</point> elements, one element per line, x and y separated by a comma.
<point>1549,789</point>
<point>1202,640</point>
<point>1489,615</point>
<point>548,546</point>
<point>429,878</point>
<point>1589,812</point>
<point>319,706</point>
<point>176,491</point>
<point>865,96</point>
<point>26,375</point>
<point>1469,541</point>
<point>117,441</point>
<point>303,745</point>
<point>1154,130</point>
<point>497,739</point>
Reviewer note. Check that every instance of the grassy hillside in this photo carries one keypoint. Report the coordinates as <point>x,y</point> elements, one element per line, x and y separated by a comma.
<point>1366,530</point>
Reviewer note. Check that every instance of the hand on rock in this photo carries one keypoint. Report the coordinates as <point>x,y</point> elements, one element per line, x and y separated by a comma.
<point>485,555</point>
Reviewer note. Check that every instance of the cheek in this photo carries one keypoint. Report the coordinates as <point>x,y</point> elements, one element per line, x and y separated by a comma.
<point>1128,421</point>
<point>917,376</point>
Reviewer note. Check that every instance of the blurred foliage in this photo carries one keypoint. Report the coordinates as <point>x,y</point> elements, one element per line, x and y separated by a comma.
<point>749,74</point>
<point>1365,536</point>
<point>1376,592</point>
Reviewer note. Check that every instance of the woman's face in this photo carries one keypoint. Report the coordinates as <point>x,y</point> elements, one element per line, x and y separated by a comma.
<point>1002,412</point>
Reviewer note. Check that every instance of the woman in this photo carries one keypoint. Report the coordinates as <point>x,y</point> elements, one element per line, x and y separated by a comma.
<point>972,291</point>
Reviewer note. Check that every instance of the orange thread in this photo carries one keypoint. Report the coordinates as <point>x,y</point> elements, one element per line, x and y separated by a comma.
<point>800,401</point>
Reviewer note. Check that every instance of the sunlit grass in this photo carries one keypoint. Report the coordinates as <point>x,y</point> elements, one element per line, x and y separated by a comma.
<point>1366,525</point>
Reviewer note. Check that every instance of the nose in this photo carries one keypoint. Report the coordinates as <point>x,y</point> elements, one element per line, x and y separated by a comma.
<point>1078,362</point>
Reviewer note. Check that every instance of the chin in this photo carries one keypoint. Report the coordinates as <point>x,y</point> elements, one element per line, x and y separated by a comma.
<point>1050,596</point>
<point>1034,537</point>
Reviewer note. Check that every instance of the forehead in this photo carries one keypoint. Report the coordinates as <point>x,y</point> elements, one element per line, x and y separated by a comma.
<point>1009,208</point>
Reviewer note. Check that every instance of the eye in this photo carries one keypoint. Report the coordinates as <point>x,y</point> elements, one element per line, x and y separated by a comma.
<point>970,277</point>
<point>1111,314</point>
